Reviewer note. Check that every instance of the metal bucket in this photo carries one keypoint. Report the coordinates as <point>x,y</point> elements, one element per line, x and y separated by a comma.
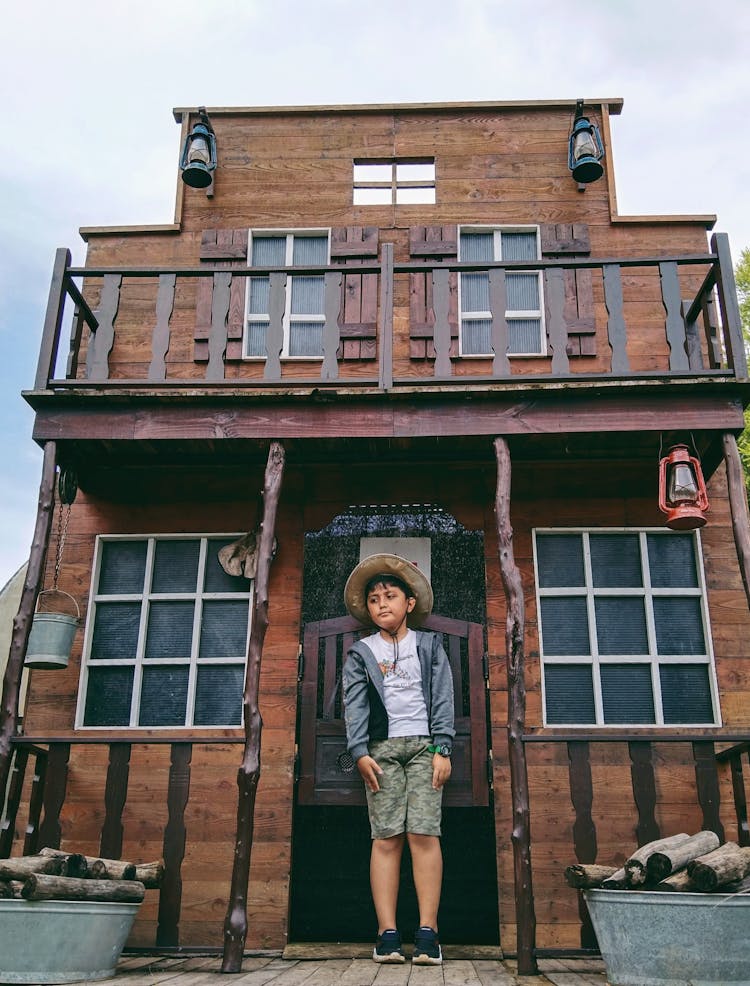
<point>650,938</point>
<point>51,637</point>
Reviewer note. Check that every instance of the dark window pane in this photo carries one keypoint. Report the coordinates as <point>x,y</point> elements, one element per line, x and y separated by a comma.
<point>122,567</point>
<point>560,560</point>
<point>108,697</point>
<point>115,631</point>
<point>627,695</point>
<point>218,697</point>
<point>175,566</point>
<point>685,693</point>
<point>621,625</point>
<point>217,579</point>
<point>671,558</point>
<point>615,560</point>
<point>565,626</point>
<point>163,696</point>
<point>170,629</point>
<point>224,628</point>
<point>679,627</point>
<point>569,693</point>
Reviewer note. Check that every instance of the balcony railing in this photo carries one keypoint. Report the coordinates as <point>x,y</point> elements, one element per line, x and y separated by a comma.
<point>646,316</point>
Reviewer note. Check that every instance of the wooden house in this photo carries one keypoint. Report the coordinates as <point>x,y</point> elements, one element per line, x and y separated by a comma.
<point>436,340</point>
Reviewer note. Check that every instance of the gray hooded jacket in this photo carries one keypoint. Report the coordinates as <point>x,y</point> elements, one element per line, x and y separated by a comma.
<point>364,703</point>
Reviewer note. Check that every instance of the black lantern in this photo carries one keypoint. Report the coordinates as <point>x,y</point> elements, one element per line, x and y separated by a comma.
<point>198,160</point>
<point>585,148</point>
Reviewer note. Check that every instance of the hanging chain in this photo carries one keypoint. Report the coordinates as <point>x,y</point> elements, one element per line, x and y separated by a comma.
<point>63,518</point>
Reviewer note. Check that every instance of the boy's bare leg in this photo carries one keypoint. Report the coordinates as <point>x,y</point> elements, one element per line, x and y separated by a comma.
<point>427,869</point>
<point>385,870</point>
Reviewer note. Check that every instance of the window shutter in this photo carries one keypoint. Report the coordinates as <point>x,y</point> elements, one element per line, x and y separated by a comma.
<point>431,243</point>
<point>352,246</point>
<point>224,248</point>
<point>565,240</point>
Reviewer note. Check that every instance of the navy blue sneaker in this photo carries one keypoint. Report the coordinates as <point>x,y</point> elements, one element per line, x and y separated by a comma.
<point>388,947</point>
<point>426,948</point>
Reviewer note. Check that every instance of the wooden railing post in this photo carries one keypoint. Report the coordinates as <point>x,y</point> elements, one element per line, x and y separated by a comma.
<point>8,821</point>
<point>729,306</point>
<point>514,657</point>
<point>584,830</point>
<point>45,369</point>
<point>22,622</point>
<point>385,318</point>
<point>707,785</point>
<point>170,898</point>
<point>740,799</point>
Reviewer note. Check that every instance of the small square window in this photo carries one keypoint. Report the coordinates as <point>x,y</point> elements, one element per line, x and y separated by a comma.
<point>394,182</point>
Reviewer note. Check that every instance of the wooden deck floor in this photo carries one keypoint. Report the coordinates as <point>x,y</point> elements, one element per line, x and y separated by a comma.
<point>205,971</point>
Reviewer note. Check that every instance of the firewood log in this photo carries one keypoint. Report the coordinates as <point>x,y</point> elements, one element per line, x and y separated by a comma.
<point>635,866</point>
<point>98,869</point>
<point>19,867</point>
<point>667,861</point>
<point>583,876</point>
<point>73,863</point>
<point>725,864</point>
<point>6,891</point>
<point>150,874</point>
<point>618,881</point>
<point>42,887</point>
<point>677,882</point>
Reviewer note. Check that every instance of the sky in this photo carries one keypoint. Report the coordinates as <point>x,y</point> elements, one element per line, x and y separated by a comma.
<point>88,89</point>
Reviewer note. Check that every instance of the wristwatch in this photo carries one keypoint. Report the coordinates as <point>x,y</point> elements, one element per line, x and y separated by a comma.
<point>443,749</point>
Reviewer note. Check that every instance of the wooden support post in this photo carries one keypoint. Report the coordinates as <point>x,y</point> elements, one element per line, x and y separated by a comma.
<point>738,507</point>
<point>23,618</point>
<point>514,655</point>
<point>235,924</point>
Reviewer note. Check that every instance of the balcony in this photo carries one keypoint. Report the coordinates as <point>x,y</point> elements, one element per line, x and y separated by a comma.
<point>388,326</point>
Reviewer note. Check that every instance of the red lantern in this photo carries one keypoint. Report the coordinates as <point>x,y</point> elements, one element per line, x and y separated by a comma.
<point>682,491</point>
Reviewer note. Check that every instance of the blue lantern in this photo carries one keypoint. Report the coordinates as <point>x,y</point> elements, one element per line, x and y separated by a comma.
<point>585,149</point>
<point>198,160</point>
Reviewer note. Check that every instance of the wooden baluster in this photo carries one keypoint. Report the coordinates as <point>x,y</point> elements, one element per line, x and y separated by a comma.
<point>115,796</point>
<point>275,334</point>
<point>692,339</point>
<point>45,368</point>
<point>498,307</point>
<point>707,785</point>
<point>616,332</point>
<point>76,334</point>
<point>731,321</point>
<point>160,337</point>
<point>331,334</point>
<point>557,330</point>
<point>8,823</point>
<point>644,791</point>
<point>711,329</point>
<point>101,343</point>
<point>55,785</point>
<point>217,337</point>
<point>584,830</point>
<point>674,325</point>
<point>441,306</point>
<point>385,317</point>
<point>36,799</point>
<point>170,897</point>
<point>740,800</point>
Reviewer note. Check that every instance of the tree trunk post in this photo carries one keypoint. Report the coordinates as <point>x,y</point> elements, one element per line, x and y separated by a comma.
<point>22,621</point>
<point>235,923</point>
<point>514,655</point>
<point>738,507</point>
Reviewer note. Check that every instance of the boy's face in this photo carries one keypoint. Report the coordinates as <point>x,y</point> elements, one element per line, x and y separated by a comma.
<point>388,606</point>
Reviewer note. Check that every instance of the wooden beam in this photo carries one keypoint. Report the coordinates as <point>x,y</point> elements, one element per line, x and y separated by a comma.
<point>514,657</point>
<point>22,622</point>
<point>235,924</point>
<point>738,507</point>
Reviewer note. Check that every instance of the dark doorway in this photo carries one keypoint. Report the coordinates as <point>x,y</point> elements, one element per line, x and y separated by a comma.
<point>330,894</point>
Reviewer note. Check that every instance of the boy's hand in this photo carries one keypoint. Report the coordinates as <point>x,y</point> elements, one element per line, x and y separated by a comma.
<point>369,770</point>
<point>441,770</point>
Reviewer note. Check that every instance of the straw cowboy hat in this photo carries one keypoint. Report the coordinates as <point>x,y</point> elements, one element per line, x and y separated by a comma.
<point>386,564</point>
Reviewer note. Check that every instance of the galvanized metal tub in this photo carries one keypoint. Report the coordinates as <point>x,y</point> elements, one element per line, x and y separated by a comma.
<point>62,941</point>
<point>650,938</point>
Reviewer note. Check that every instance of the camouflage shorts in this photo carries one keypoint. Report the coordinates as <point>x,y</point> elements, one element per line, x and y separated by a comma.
<point>406,801</point>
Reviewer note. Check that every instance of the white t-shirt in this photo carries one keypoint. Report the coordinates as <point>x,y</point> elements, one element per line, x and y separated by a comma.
<point>402,684</point>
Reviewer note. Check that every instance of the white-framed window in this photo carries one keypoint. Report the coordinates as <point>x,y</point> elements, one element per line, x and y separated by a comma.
<point>166,635</point>
<point>304,317</point>
<point>624,633</point>
<point>524,311</point>
<point>395,181</point>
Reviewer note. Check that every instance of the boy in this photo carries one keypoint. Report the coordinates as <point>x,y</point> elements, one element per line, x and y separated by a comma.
<point>398,708</point>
